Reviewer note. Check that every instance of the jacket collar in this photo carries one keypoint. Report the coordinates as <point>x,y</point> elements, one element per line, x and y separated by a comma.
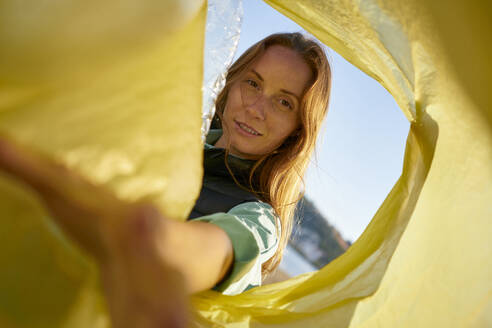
<point>213,161</point>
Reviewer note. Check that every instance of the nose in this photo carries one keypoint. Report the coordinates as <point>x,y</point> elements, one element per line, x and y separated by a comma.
<point>257,108</point>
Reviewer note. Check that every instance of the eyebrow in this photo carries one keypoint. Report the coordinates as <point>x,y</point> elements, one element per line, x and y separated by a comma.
<point>257,74</point>
<point>290,93</point>
<point>283,90</point>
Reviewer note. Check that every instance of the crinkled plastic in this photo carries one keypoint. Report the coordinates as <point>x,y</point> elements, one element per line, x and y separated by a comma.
<point>423,261</point>
<point>221,39</point>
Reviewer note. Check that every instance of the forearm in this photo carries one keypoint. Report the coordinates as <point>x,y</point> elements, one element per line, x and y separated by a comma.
<point>138,282</point>
<point>200,251</point>
<point>205,253</point>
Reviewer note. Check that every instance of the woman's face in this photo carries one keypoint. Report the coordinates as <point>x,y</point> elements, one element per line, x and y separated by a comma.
<point>262,108</point>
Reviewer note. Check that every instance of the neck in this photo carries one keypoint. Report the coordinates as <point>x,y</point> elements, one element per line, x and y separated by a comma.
<point>223,143</point>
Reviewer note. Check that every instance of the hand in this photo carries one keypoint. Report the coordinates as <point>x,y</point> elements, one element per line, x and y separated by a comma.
<point>141,289</point>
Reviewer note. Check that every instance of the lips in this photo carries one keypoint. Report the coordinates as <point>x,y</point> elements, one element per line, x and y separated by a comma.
<point>249,127</point>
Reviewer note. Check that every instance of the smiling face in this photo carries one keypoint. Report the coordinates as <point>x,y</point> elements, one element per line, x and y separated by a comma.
<point>263,105</point>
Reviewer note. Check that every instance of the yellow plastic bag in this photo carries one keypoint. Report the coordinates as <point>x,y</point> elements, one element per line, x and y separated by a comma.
<point>113,90</point>
<point>425,258</point>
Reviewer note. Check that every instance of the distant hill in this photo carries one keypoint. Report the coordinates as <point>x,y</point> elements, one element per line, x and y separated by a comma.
<point>313,237</point>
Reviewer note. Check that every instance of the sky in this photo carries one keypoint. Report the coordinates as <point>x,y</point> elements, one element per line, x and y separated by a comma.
<point>360,150</point>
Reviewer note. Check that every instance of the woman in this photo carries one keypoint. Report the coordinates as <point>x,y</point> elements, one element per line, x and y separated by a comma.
<point>270,111</point>
<point>270,116</point>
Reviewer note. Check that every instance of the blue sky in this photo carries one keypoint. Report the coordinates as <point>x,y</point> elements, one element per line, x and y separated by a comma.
<point>360,151</point>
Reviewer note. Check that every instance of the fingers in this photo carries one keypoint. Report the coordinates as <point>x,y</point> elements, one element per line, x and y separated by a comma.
<point>11,158</point>
<point>75,204</point>
<point>41,173</point>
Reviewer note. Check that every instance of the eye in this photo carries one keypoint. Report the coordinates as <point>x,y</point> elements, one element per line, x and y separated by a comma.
<point>252,83</point>
<point>286,103</point>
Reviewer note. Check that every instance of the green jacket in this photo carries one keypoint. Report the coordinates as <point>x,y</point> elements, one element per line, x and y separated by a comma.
<point>251,224</point>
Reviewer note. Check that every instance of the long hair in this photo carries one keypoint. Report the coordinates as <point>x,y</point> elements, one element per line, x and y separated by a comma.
<point>277,178</point>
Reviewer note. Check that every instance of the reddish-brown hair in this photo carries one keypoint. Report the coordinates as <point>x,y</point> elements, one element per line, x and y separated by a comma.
<point>277,178</point>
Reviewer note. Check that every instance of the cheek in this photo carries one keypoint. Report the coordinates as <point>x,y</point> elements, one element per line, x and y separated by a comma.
<point>228,111</point>
<point>233,101</point>
<point>283,127</point>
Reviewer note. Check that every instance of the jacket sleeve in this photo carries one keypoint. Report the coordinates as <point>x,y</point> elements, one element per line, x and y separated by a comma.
<point>252,228</point>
